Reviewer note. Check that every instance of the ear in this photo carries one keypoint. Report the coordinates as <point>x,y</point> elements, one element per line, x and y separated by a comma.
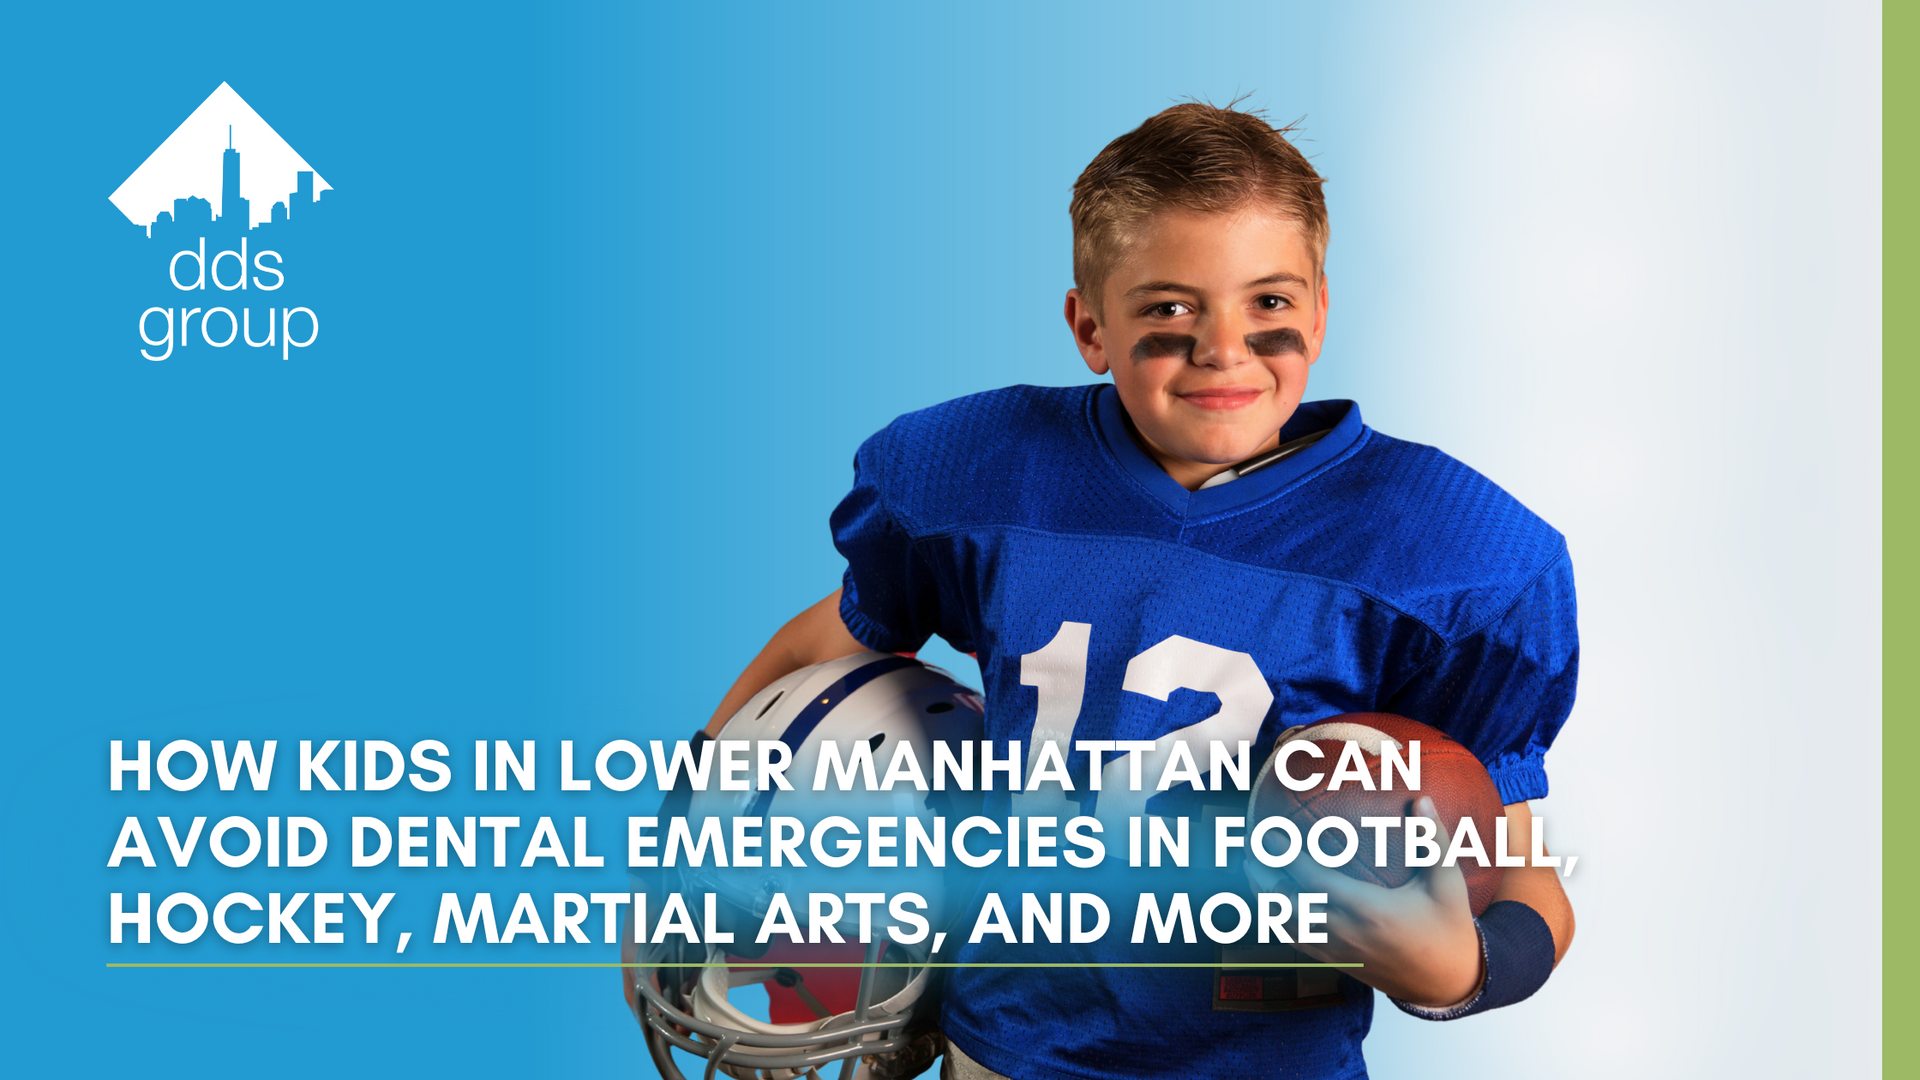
<point>1087,335</point>
<point>1320,302</point>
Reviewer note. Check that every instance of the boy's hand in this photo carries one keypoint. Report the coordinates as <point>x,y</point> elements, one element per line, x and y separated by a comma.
<point>1418,941</point>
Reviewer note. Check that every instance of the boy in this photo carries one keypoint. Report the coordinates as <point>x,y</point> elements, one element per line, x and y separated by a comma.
<point>1194,526</point>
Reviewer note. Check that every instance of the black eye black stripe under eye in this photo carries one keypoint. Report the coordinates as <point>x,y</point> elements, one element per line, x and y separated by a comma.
<point>1276,342</point>
<point>1265,343</point>
<point>1155,346</point>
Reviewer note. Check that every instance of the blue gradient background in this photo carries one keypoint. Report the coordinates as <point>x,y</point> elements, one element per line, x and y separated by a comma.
<point>615,291</point>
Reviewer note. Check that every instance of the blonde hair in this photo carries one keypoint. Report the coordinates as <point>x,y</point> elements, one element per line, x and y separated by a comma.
<point>1195,156</point>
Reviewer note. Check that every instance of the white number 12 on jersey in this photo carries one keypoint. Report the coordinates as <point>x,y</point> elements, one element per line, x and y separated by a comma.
<point>1058,670</point>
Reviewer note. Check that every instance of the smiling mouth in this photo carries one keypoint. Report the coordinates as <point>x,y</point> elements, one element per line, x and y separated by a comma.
<point>1229,397</point>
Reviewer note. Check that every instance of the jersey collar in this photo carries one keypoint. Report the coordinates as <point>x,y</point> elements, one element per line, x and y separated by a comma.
<point>1343,417</point>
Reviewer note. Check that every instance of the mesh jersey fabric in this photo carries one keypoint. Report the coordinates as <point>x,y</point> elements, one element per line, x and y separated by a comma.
<point>1364,574</point>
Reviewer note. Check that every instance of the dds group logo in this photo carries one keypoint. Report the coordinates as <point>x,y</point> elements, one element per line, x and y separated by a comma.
<point>229,203</point>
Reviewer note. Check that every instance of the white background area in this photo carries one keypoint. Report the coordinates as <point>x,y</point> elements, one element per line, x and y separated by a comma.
<point>1627,262</point>
<point>1653,313</point>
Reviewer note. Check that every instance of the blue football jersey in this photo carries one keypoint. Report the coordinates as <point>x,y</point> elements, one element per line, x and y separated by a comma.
<point>1107,603</point>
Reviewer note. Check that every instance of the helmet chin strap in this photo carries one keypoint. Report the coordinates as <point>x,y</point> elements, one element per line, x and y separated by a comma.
<point>798,984</point>
<point>1262,460</point>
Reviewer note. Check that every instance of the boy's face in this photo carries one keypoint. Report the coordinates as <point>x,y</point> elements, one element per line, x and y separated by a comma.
<point>1208,324</point>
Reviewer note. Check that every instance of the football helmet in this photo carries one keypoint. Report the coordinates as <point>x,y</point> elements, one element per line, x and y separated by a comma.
<point>872,1007</point>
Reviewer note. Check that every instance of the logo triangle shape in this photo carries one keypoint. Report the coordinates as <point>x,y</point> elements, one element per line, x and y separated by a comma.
<point>193,162</point>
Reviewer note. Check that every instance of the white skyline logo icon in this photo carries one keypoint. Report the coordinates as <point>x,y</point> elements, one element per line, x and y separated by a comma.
<point>193,162</point>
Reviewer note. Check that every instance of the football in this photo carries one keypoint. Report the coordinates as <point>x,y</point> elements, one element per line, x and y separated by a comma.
<point>1448,773</point>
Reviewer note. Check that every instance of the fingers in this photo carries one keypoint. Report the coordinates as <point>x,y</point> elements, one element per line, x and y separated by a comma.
<point>1305,874</point>
<point>1447,885</point>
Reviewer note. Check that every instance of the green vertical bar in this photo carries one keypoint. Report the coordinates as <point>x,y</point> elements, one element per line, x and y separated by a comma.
<point>1900,534</point>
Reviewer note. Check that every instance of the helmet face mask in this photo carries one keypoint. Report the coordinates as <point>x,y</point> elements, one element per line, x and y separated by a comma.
<point>688,1008</point>
<point>882,1023</point>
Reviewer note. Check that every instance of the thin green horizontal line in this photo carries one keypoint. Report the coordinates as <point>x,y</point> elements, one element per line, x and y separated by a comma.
<point>735,965</point>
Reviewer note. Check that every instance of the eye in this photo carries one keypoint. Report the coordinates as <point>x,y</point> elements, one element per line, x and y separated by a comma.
<point>1272,302</point>
<point>1167,309</point>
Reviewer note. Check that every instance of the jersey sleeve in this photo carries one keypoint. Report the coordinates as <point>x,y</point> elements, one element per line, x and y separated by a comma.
<point>889,597</point>
<point>1505,690</point>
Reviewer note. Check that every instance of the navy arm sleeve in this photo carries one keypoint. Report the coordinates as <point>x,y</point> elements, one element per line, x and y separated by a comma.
<point>889,598</point>
<point>1504,690</point>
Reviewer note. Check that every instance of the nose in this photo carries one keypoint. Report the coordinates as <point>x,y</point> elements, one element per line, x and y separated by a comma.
<point>1221,343</point>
